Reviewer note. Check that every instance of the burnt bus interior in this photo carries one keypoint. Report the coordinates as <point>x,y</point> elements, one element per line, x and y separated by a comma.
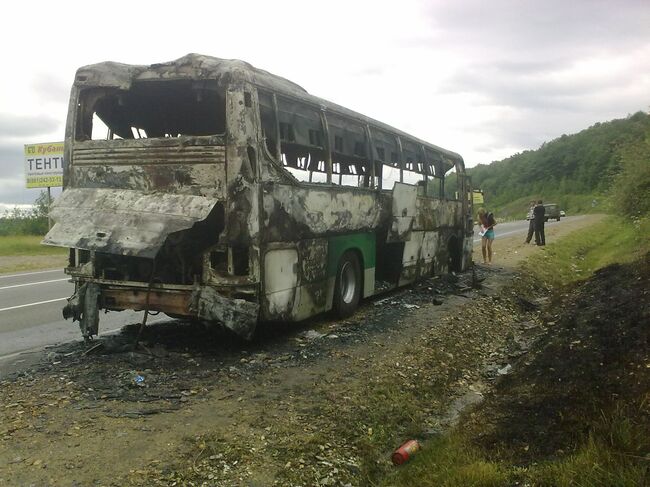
<point>179,261</point>
<point>361,155</point>
<point>153,109</point>
<point>156,109</point>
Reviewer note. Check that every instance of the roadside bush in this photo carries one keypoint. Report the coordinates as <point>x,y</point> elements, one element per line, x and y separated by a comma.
<point>631,186</point>
<point>26,222</point>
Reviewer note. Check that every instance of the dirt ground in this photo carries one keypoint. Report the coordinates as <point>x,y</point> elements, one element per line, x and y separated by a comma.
<point>320,403</point>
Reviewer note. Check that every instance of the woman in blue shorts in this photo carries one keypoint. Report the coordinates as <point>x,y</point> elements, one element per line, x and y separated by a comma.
<point>487,222</point>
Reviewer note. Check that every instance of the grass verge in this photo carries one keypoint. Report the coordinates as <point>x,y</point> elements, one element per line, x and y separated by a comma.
<point>27,245</point>
<point>25,252</point>
<point>607,435</point>
<point>579,254</point>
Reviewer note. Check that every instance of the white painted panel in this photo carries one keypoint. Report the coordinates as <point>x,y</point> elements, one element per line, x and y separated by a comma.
<point>280,279</point>
<point>430,246</point>
<point>412,249</point>
<point>368,282</point>
<point>403,211</point>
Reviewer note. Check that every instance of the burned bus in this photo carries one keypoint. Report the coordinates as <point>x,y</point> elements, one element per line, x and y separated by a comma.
<point>208,189</point>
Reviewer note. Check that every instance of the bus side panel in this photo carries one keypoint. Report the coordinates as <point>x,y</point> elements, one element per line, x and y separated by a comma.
<point>311,296</point>
<point>295,279</point>
<point>421,254</point>
<point>280,282</point>
<point>432,213</point>
<point>297,212</point>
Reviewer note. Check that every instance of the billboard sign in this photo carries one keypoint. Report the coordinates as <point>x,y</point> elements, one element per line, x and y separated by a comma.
<point>44,165</point>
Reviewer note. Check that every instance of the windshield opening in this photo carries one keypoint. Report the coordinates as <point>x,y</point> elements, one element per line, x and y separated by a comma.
<point>151,110</point>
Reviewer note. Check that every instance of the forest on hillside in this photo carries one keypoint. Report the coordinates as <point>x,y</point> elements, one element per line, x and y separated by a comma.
<point>575,171</point>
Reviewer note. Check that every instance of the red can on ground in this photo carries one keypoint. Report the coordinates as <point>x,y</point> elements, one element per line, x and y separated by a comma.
<point>404,452</point>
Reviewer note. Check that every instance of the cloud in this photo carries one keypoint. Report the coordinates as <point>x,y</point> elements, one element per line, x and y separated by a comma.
<point>12,125</point>
<point>49,88</point>
<point>14,192</point>
<point>11,163</point>
<point>524,72</point>
<point>526,29</point>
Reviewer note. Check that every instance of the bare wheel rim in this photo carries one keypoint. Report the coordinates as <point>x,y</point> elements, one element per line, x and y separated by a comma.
<point>348,282</point>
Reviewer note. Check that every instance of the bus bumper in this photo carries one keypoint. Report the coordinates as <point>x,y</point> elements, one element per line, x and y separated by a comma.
<point>198,302</point>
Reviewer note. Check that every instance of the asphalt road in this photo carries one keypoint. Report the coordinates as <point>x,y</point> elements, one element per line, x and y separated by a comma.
<point>30,313</point>
<point>31,303</point>
<point>520,227</point>
<point>505,229</point>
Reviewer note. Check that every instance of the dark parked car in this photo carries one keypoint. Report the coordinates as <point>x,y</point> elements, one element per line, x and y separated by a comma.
<point>552,212</point>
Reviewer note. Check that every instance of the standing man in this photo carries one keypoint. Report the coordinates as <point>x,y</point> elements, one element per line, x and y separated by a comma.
<point>531,222</point>
<point>538,212</point>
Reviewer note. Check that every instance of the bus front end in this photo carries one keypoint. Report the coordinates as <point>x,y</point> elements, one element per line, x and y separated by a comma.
<point>159,201</point>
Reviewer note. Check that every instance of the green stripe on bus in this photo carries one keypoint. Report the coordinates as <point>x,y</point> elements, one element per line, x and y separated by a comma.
<point>363,242</point>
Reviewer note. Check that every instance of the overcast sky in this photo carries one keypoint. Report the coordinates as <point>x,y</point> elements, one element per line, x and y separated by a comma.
<point>486,79</point>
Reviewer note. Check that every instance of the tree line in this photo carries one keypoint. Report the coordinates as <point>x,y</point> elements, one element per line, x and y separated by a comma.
<point>605,163</point>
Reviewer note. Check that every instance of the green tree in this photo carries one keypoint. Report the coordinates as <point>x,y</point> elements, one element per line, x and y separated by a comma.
<point>568,170</point>
<point>631,186</point>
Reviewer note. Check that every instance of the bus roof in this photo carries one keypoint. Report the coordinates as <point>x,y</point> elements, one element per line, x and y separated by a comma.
<point>200,67</point>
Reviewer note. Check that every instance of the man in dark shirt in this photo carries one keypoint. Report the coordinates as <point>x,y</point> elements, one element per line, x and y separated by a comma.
<point>538,214</point>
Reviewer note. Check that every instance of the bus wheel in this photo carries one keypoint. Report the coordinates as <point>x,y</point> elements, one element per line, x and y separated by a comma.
<point>347,289</point>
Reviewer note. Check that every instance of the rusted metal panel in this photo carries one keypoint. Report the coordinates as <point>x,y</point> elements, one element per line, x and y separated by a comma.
<point>198,179</point>
<point>436,213</point>
<point>122,221</point>
<point>237,315</point>
<point>188,165</point>
<point>413,261</point>
<point>173,302</point>
<point>85,153</point>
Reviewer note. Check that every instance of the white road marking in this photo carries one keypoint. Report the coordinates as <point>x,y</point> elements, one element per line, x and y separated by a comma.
<point>30,273</point>
<point>32,304</point>
<point>34,283</point>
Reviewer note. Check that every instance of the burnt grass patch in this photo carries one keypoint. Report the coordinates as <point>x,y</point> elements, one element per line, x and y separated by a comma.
<point>593,364</point>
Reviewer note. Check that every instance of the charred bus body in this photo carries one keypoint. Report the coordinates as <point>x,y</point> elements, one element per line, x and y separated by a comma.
<point>220,192</point>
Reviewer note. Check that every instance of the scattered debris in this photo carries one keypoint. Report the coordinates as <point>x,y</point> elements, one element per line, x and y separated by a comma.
<point>505,370</point>
<point>137,379</point>
<point>312,335</point>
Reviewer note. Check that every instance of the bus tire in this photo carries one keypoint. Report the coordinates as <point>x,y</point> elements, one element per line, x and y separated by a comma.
<point>347,288</point>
